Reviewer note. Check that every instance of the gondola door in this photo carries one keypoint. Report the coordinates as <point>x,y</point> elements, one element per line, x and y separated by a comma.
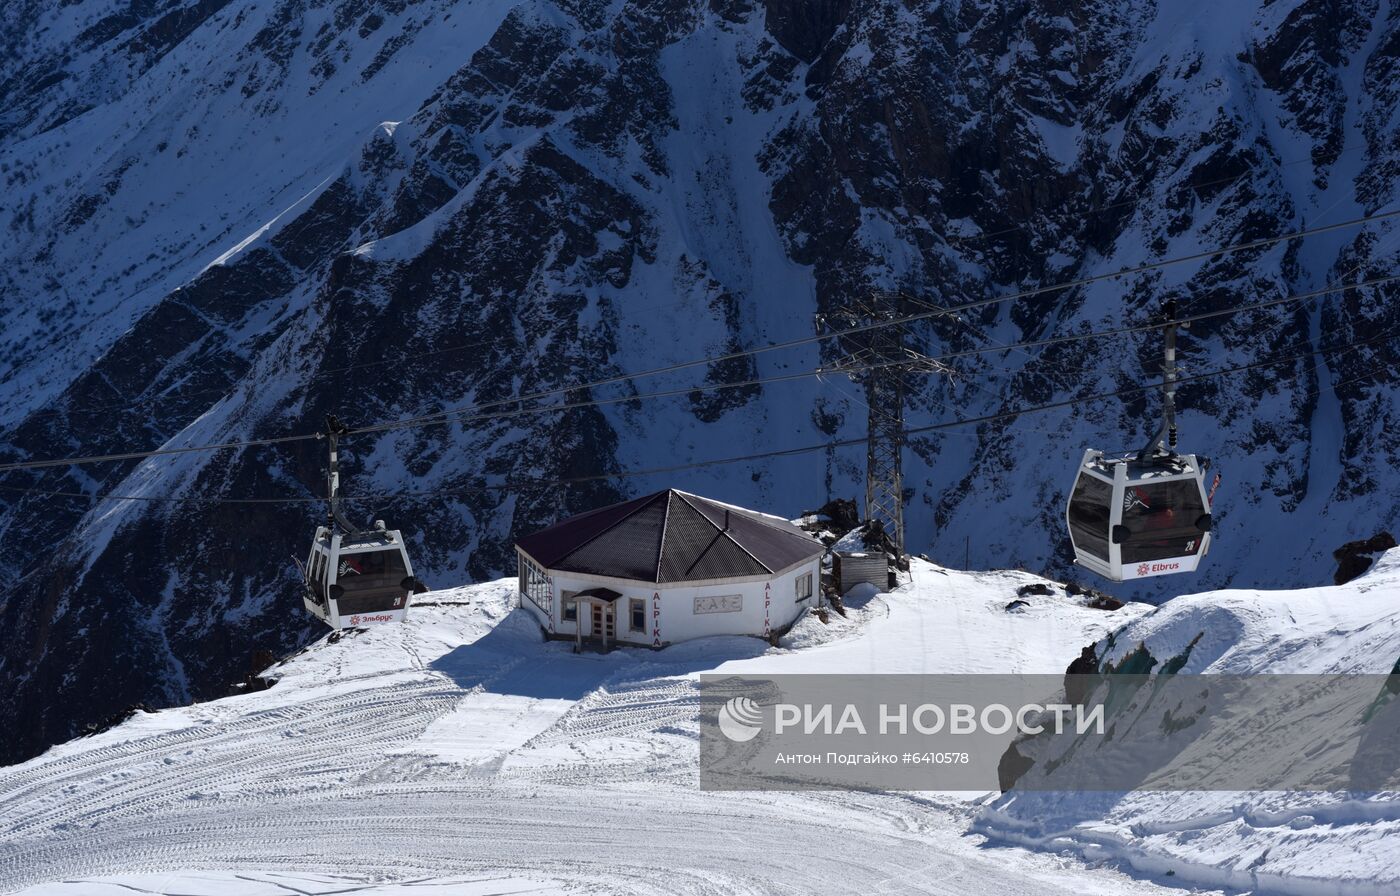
<point>315,585</point>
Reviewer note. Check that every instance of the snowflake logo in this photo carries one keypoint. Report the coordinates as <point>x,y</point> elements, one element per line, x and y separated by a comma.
<point>1143,569</point>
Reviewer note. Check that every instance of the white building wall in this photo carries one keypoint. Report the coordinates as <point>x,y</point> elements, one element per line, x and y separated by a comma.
<point>671,608</point>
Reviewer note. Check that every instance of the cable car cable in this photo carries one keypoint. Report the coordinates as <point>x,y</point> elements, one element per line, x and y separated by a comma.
<point>806,449</point>
<point>776,378</point>
<point>952,309</point>
<point>84,409</point>
<point>944,311</point>
<point>963,353</point>
<point>704,387</point>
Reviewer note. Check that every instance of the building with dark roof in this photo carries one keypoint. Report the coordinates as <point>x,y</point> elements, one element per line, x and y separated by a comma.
<point>668,567</point>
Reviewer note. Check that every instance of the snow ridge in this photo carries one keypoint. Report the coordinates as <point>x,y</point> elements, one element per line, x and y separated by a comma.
<point>1294,843</point>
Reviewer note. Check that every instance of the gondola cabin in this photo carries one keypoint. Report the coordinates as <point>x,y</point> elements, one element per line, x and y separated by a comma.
<point>1132,518</point>
<point>359,579</point>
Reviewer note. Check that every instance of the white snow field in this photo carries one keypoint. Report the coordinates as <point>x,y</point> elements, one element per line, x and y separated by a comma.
<point>459,753</point>
<point>1271,842</point>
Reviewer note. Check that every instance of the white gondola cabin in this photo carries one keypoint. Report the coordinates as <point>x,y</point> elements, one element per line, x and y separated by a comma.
<point>360,579</point>
<point>355,577</point>
<point>1133,518</point>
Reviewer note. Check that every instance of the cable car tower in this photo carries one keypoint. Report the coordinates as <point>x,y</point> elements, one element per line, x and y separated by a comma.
<point>879,357</point>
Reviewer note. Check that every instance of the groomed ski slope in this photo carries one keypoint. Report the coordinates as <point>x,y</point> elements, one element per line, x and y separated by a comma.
<point>458,753</point>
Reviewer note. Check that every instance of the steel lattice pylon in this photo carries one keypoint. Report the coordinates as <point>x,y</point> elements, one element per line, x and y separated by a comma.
<point>879,357</point>
<point>884,451</point>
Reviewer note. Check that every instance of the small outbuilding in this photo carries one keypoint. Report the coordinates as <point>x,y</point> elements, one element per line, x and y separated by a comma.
<point>852,568</point>
<point>668,567</point>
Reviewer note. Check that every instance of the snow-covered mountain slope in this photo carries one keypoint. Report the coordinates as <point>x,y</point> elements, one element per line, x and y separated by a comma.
<point>460,746</point>
<point>1273,842</point>
<point>226,218</point>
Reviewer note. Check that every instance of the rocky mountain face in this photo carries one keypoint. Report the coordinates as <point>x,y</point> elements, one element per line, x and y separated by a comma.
<point>226,219</point>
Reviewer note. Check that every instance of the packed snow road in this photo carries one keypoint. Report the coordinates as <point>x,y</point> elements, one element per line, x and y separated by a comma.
<point>457,753</point>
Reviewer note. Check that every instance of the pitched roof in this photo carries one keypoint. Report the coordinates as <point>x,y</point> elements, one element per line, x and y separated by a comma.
<point>668,537</point>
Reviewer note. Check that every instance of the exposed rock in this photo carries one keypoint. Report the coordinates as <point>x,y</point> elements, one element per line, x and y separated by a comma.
<point>113,720</point>
<point>837,516</point>
<point>803,27</point>
<point>1355,557</point>
<point>1011,766</point>
<point>1100,601</point>
<point>260,662</point>
<point>1094,598</point>
<point>1080,676</point>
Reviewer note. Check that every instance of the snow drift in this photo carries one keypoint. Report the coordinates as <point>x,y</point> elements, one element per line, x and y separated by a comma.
<point>1267,842</point>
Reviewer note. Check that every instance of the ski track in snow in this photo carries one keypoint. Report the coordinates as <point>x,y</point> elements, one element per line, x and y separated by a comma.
<point>459,754</point>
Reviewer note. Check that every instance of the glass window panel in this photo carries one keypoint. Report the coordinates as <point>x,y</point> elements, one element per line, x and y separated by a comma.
<point>1161,520</point>
<point>1090,509</point>
<point>371,563</point>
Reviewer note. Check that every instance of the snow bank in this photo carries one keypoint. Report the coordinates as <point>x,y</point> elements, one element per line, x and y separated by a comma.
<point>947,621</point>
<point>1270,842</point>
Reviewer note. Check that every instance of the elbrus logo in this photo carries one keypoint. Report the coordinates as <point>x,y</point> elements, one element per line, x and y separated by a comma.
<point>740,719</point>
<point>1151,568</point>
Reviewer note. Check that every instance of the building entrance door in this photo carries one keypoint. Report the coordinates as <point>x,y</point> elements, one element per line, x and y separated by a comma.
<point>603,622</point>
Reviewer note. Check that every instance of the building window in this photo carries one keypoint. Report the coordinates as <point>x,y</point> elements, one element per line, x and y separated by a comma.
<point>535,585</point>
<point>570,610</point>
<point>804,586</point>
<point>639,615</point>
